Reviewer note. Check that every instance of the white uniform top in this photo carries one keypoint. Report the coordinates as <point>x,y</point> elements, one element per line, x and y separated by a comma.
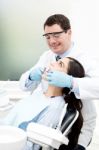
<point>88,86</point>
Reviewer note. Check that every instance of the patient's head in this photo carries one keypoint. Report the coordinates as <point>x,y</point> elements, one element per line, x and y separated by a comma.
<point>67,65</point>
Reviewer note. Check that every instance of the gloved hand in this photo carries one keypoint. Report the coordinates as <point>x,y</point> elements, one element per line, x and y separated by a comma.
<point>36,74</point>
<point>60,79</point>
<point>79,147</point>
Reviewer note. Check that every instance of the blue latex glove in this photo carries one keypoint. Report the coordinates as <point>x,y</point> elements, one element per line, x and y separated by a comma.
<point>60,79</point>
<point>79,147</point>
<point>36,74</point>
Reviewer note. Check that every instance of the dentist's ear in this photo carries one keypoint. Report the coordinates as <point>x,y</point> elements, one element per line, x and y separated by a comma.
<point>69,32</point>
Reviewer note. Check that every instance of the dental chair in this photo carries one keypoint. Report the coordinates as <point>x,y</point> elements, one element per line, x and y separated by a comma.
<point>49,138</point>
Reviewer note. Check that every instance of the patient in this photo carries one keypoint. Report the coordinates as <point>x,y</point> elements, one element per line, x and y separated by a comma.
<point>46,107</point>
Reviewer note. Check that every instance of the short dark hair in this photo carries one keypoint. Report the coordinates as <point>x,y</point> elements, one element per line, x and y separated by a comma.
<point>59,19</point>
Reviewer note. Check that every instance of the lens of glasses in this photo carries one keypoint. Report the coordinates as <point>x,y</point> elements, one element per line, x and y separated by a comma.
<point>53,34</point>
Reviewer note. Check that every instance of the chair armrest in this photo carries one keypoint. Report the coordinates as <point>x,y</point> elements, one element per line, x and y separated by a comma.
<point>45,136</point>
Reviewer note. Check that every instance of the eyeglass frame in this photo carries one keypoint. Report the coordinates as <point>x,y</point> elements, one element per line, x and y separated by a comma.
<point>54,34</point>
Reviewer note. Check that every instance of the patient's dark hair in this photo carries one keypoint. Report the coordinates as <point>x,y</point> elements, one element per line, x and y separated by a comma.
<point>76,70</point>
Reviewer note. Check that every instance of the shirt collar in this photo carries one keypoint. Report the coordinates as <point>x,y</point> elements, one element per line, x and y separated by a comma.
<point>66,52</point>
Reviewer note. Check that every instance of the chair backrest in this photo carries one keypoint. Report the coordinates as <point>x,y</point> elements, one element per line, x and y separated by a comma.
<point>68,120</point>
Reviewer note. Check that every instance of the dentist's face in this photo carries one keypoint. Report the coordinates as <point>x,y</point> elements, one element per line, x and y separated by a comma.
<point>57,39</point>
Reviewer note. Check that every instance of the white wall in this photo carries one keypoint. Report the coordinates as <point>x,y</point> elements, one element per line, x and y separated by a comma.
<point>85,23</point>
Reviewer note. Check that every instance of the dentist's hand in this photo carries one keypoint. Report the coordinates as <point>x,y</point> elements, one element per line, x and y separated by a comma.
<point>59,79</point>
<point>36,74</point>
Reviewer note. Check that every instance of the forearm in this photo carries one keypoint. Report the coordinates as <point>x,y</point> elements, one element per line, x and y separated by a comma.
<point>25,83</point>
<point>88,88</point>
<point>26,80</point>
<point>28,84</point>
